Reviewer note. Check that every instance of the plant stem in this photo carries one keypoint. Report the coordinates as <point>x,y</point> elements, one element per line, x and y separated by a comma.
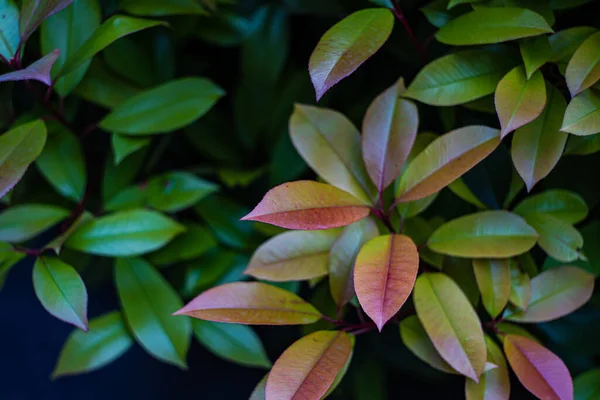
<point>402,18</point>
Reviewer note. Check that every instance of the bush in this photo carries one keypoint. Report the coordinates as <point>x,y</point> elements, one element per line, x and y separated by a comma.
<point>139,134</point>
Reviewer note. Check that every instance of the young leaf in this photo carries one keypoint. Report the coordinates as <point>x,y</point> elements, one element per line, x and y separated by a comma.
<point>451,323</point>
<point>559,240</point>
<point>330,144</point>
<point>159,8</point>
<point>583,69</point>
<point>165,108</point>
<point>493,280</point>
<point>486,234</point>
<point>194,242</point>
<point>112,29</point>
<point>492,25</point>
<point>33,12</point>
<point>460,77</point>
<point>62,163</point>
<point>67,31</point>
<point>308,205</point>
<point>520,287</point>
<point>125,145</point>
<point>39,70</point>
<point>445,160</point>
<point>587,385</point>
<point>309,366</point>
<point>537,146</point>
<point>251,303</point>
<point>106,340</point>
<point>348,44</point>
<point>148,302</point>
<point>415,338</point>
<point>519,100</point>
<point>538,369</point>
<point>389,131</point>
<point>236,343</point>
<point>562,204</point>
<point>494,384</point>
<point>342,257</point>
<point>61,291</point>
<point>124,234</point>
<point>582,116</point>
<point>555,293</point>
<point>19,147</point>
<point>384,274</point>
<point>9,29</point>
<point>22,222</point>
<point>293,256</point>
<point>535,53</point>
<point>177,190</point>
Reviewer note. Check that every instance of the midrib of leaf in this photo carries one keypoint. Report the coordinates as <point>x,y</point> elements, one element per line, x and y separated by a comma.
<point>549,295</point>
<point>295,258</point>
<point>282,310</point>
<point>593,65</point>
<point>516,107</point>
<point>62,293</point>
<point>537,372</point>
<point>387,276</point>
<point>317,361</point>
<point>546,113</point>
<point>312,209</point>
<point>128,234</point>
<point>22,138</point>
<point>583,117</point>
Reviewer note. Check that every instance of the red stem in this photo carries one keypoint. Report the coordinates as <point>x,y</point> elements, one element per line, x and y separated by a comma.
<point>402,18</point>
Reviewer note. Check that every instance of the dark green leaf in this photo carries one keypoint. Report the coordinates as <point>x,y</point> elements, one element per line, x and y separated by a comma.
<point>535,52</point>
<point>22,222</point>
<point>159,8</point>
<point>175,191</point>
<point>124,145</point>
<point>194,242</point>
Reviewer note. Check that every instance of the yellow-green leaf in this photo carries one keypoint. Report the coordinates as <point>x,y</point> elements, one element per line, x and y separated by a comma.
<point>583,69</point>
<point>520,287</point>
<point>587,385</point>
<point>493,280</point>
<point>562,204</point>
<point>582,117</point>
<point>559,240</point>
<point>494,384</point>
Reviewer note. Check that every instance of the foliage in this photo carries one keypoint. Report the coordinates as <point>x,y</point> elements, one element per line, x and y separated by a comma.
<point>460,214</point>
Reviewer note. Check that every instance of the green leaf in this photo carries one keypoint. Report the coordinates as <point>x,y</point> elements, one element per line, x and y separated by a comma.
<point>460,77</point>
<point>112,29</point>
<point>106,340</point>
<point>259,390</point>
<point>194,242</point>
<point>460,188</point>
<point>492,25</point>
<point>494,383</point>
<point>68,30</point>
<point>507,327</point>
<point>61,291</point>
<point>177,190</point>
<point>148,302</point>
<point>415,338</point>
<point>535,52</point>
<point>583,145</point>
<point>9,29</point>
<point>130,61</point>
<point>454,3</point>
<point>22,222</point>
<point>583,69</point>
<point>419,230</point>
<point>486,234</point>
<point>555,293</point>
<point>562,204</point>
<point>348,44</point>
<point>438,14</point>
<point>57,243</point>
<point>519,100</point>
<point>19,147</point>
<point>124,145</point>
<point>493,279</point>
<point>33,12</point>
<point>451,323</point>
<point>461,272</point>
<point>582,116</point>
<point>558,239</point>
<point>159,8</point>
<point>62,163</point>
<point>118,177</point>
<point>165,108</point>
<point>123,234</point>
<point>330,145</point>
<point>587,385</point>
<point>102,88</point>
<point>538,145</point>
<point>520,287</point>
<point>445,160</point>
<point>8,259</point>
<point>564,43</point>
<point>236,343</point>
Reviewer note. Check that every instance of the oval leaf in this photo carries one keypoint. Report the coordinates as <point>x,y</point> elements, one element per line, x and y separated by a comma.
<point>492,25</point>
<point>587,385</point>
<point>538,369</point>
<point>61,291</point>
<point>486,234</point>
<point>389,131</point>
<point>24,221</point>
<point>126,233</point>
<point>19,147</point>
<point>106,340</point>
<point>251,303</point>
<point>148,302</point>
<point>559,240</point>
<point>445,160</point>
<point>582,117</point>
<point>562,204</point>
<point>384,275</point>
<point>342,258</point>
<point>308,205</point>
<point>330,144</point>
<point>493,280</point>
<point>555,293</point>
<point>460,77</point>
<point>309,366</point>
<point>583,69</point>
<point>236,343</point>
<point>346,45</point>
<point>293,256</point>
<point>519,100</point>
<point>520,287</point>
<point>451,323</point>
<point>494,384</point>
<point>537,146</point>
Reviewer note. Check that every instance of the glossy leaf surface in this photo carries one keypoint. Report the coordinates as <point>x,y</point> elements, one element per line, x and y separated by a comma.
<point>582,117</point>
<point>559,203</point>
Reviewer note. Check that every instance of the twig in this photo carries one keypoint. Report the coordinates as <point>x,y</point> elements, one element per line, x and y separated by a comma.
<point>402,18</point>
